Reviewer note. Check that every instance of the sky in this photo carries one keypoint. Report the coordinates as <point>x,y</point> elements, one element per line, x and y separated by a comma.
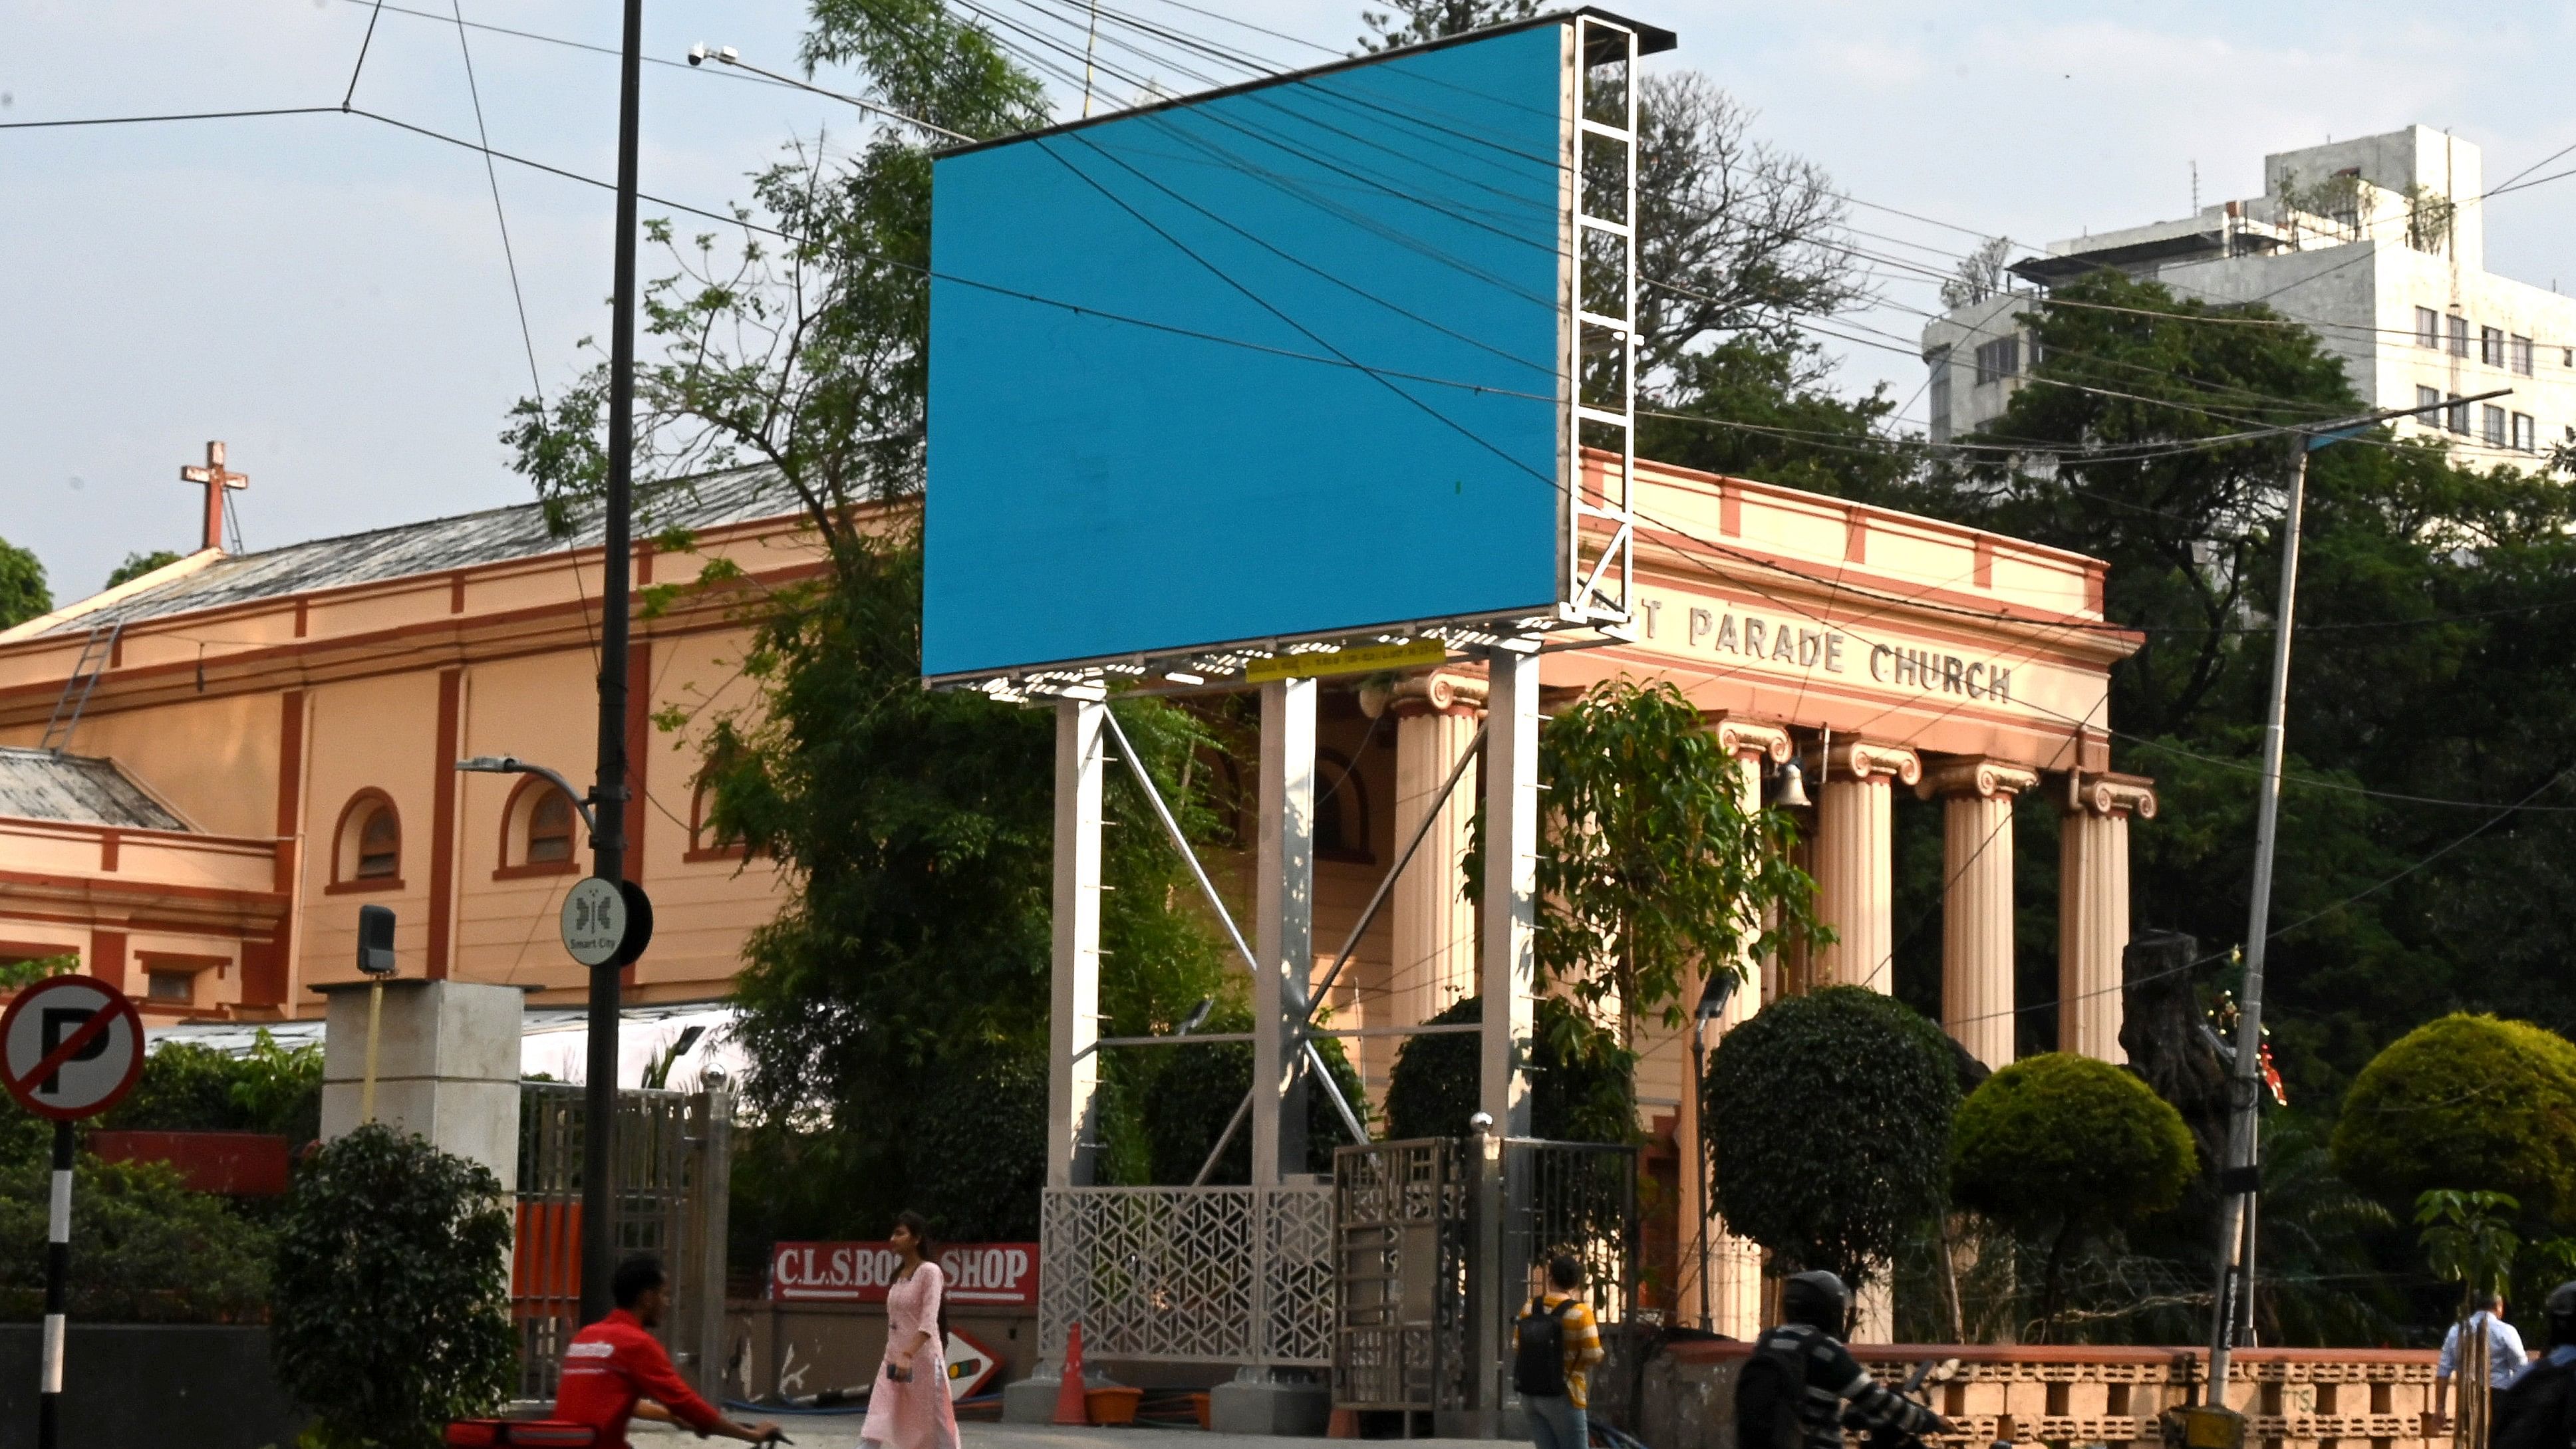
<point>329,294</point>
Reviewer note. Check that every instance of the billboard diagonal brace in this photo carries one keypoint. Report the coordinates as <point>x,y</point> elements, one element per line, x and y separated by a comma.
<point>1180,842</point>
<point>1457,772</point>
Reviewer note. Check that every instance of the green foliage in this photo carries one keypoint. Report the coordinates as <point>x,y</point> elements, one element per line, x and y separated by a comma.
<point>391,1311</point>
<point>23,594</point>
<point>189,1088</point>
<point>2467,1102</point>
<point>2060,1138</point>
<point>136,565</point>
<point>27,971</point>
<point>2066,1145</point>
<point>1648,862</point>
<point>977,1160</point>
<point>145,1249</point>
<point>2468,1239</point>
<point>1827,1117</point>
<point>1582,1081</point>
<point>1194,1091</point>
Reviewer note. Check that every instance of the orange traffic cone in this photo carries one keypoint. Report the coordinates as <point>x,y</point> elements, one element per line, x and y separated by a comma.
<point>1345,1424</point>
<point>1070,1407</point>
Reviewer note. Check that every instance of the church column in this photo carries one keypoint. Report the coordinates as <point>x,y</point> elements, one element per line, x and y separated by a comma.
<point>1734,1263</point>
<point>2093,908</point>
<point>1977,904</point>
<point>1855,859</point>
<point>1433,923</point>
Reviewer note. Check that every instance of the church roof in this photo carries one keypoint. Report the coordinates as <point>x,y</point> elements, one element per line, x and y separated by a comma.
<point>78,790</point>
<point>435,545</point>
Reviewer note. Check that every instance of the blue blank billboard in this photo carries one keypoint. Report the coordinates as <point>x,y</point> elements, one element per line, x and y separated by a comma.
<point>1279,361</point>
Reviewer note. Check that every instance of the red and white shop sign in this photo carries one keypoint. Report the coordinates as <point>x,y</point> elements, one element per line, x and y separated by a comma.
<point>981,1275</point>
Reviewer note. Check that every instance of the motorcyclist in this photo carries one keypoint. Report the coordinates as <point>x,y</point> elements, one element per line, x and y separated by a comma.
<point>1801,1387</point>
<point>2538,1409</point>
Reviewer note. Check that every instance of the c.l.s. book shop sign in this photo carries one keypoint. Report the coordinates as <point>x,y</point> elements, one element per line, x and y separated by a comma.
<point>983,1275</point>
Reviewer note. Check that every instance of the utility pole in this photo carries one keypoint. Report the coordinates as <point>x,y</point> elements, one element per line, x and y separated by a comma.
<point>608,835</point>
<point>2240,1176</point>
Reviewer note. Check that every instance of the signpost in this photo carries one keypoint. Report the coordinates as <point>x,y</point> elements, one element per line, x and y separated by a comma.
<point>606,923</point>
<point>70,1047</point>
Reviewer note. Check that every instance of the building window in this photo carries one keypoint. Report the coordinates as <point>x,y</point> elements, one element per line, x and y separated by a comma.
<point>2428,327</point>
<point>2526,433</point>
<point>178,986</point>
<point>1939,421</point>
<point>2493,418</point>
<point>2491,346</point>
<point>538,831</point>
<point>367,852</point>
<point>2459,335</point>
<point>707,840</point>
<point>1998,359</point>
<point>2428,399</point>
<point>1341,809</point>
<point>2456,416</point>
<point>2521,350</point>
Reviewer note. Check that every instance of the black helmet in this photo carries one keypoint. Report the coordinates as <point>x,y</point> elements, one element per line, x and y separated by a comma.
<point>1819,1299</point>
<point>2560,1305</point>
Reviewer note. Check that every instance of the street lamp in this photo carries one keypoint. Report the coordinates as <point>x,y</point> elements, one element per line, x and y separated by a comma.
<point>1712,1007</point>
<point>513,765</point>
<point>2239,1176</point>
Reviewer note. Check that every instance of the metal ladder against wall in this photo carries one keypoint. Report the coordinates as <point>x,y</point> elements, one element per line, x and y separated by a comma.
<point>97,651</point>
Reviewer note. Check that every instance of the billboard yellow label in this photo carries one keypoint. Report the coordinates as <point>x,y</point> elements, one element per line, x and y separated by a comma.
<point>1358,659</point>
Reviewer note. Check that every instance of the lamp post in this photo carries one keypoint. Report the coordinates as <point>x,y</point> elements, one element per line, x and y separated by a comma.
<point>1712,1005</point>
<point>2239,1178</point>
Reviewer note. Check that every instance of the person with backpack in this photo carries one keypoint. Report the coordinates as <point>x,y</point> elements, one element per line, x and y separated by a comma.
<point>1801,1387</point>
<point>2538,1410</point>
<point>1555,1345</point>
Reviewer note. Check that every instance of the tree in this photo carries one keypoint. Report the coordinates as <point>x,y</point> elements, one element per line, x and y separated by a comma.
<point>2470,1103</point>
<point>1582,1086</point>
<point>146,1249</point>
<point>2066,1146</point>
<point>1411,22</point>
<point>136,565</point>
<point>23,594</point>
<point>391,1308</point>
<point>1827,1119</point>
<point>1649,864</point>
<point>1980,274</point>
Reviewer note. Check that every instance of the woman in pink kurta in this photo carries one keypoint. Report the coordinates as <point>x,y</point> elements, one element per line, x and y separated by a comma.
<point>909,1407</point>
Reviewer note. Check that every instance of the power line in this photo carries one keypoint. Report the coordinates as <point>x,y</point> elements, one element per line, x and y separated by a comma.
<point>364,44</point>
<point>518,298</point>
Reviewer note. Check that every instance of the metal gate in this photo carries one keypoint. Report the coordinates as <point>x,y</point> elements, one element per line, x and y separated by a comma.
<point>1406,1216</point>
<point>673,1157</point>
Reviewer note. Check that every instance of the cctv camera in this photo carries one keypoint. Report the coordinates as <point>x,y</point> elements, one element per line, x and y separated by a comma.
<point>698,54</point>
<point>1481,1122</point>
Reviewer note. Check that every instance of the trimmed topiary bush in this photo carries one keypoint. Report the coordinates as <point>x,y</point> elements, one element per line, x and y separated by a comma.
<point>1827,1118</point>
<point>1188,1101</point>
<point>1582,1083</point>
<point>2065,1145</point>
<point>2468,1102</point>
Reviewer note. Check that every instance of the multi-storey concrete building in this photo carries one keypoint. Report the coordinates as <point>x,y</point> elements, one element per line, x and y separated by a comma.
<point>2377,244</point>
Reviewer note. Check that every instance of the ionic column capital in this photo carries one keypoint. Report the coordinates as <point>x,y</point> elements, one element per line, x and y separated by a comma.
<point>1975,775</point>
<point>1863,760</point>
<point>1431,692</point>
<point>2108,795</point>
<point>1743,739</point>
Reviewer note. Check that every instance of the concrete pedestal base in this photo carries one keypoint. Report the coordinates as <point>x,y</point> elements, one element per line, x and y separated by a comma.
<point>1270,1405</point>
<point>1032,1400</point>
<point>447,1066</point>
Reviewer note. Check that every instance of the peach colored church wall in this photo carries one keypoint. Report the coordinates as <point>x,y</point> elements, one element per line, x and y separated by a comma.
<point>706,902</point>
<point>366,734</point>
<point>539,707</point>
<point>213,760</point>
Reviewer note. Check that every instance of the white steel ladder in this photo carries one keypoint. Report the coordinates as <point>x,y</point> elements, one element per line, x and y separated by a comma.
<point>96,652</point>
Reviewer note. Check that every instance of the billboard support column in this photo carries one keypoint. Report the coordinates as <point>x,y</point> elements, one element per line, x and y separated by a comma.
<point>1283,928</point>
<point>1073,1018</point>
<point>1509,917</point>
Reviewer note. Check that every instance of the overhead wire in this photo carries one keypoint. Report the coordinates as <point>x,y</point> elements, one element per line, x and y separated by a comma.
<point>491,174</point>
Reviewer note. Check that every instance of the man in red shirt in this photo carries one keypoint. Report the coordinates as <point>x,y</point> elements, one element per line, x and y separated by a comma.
<point>615,1362</point>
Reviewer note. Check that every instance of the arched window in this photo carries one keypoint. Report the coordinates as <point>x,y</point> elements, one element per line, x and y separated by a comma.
<point>706,840</point>
<point>367,848</point>
<point>1341,809</point>
<point>539,831</point>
